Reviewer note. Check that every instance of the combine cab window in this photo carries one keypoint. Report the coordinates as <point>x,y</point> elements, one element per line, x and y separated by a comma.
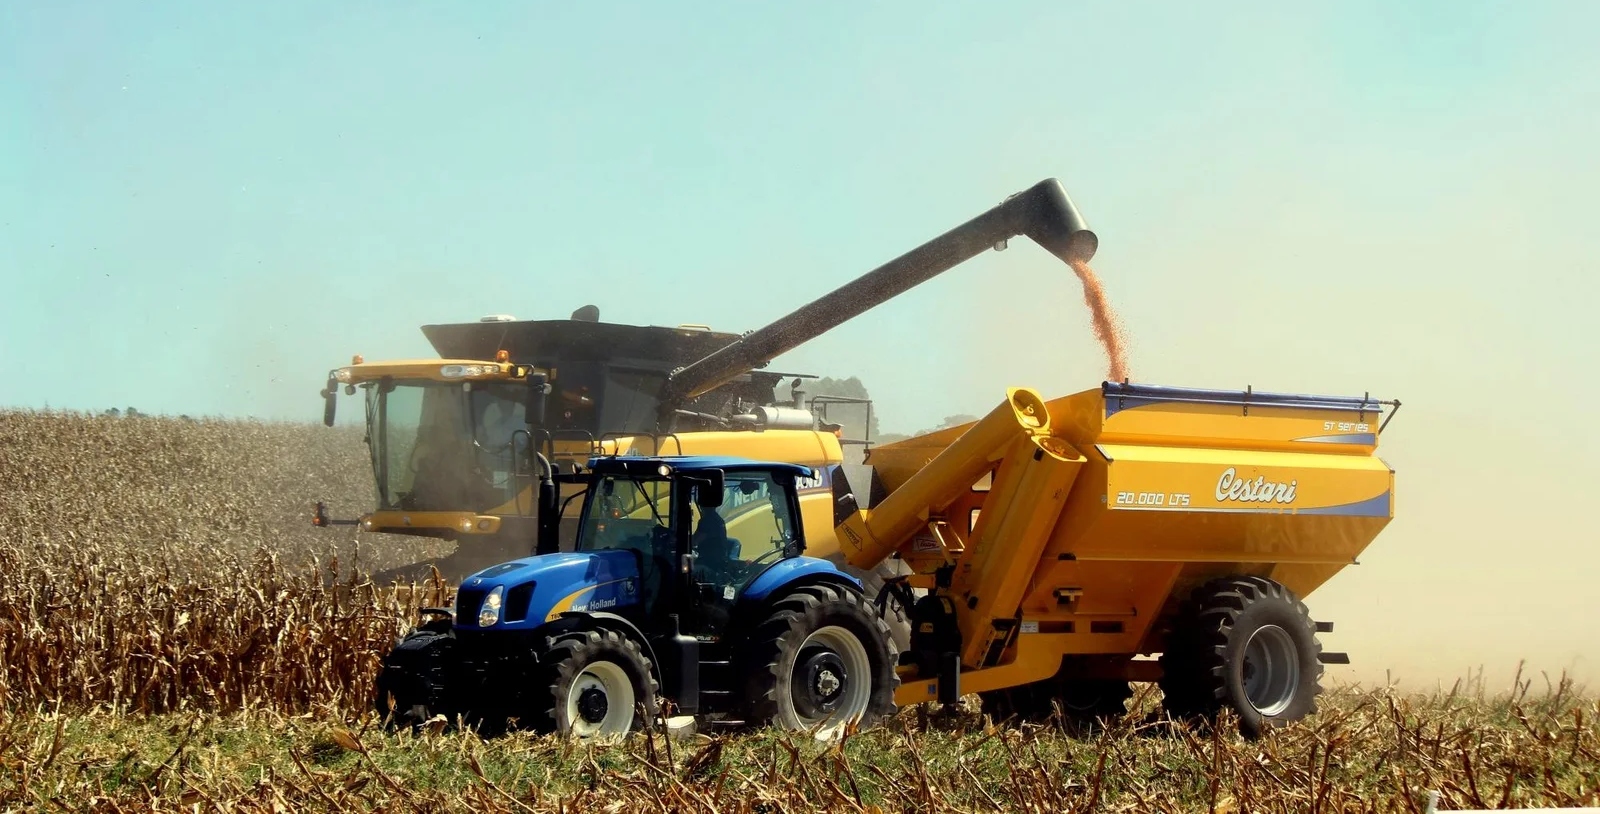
<point>440,447</point>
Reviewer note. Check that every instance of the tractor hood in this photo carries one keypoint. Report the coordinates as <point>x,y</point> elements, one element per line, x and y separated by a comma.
<point>536,589</point>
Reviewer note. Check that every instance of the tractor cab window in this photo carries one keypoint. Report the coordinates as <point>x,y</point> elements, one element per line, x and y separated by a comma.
<point>752,529</point>
<point>629,512</point>
<point>633,514</point>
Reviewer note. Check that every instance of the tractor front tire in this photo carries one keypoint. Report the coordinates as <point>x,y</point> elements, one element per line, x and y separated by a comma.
<point>822,659</point>
<point>600,684</point>
<point>1246,643</point>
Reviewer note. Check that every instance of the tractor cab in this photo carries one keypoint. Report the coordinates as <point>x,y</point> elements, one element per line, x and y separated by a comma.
<point>704,529</point>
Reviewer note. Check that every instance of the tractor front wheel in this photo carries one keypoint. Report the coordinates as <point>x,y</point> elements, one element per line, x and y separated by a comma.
<point>821,660</point>
<point>1247,643</point>
<point>601,684</point>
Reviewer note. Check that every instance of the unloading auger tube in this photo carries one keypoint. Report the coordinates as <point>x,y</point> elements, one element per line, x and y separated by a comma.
<point>868,536</point>
<point>1042,212</point>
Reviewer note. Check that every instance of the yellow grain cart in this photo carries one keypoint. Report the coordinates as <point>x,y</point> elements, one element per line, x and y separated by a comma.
<point>1057,545</point>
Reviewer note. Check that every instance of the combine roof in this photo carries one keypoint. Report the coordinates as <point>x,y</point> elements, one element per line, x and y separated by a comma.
<point>550,341</point>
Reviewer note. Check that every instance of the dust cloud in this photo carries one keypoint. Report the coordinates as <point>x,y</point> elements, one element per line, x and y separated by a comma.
<point>1107,327</point>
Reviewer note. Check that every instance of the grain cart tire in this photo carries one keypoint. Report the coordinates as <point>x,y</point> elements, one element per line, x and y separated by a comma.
<point>1029,703</point>
<point>1082,702</point>
<point>601,684</point>
<point>1246,643</point>
<point>821,658</point>
<point>1094,701</point>
<point>409,689</point>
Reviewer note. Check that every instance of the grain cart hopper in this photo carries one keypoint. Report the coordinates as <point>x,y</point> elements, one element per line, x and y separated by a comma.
<point>1057,544</point>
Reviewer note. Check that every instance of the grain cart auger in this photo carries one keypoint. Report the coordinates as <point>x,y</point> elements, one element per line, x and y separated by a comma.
<point>1061,543</point>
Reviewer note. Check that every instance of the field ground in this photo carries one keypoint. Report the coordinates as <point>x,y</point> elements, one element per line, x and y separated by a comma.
<point>1366,751</point>
<point>175,636</point>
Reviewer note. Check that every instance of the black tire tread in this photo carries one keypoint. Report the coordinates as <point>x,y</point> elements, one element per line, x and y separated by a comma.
<point>1194,666</point>
<point>790,620</point>
<point>567,654</point>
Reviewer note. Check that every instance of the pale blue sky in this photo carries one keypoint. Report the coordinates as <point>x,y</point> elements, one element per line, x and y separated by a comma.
<point>203,207</point>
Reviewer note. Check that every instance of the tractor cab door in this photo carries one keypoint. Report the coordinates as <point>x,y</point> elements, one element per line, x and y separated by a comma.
<point>751,528</point>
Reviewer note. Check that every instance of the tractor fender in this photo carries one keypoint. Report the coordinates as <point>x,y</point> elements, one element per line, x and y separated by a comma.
<point>794,572</point>
<point>620,624</point>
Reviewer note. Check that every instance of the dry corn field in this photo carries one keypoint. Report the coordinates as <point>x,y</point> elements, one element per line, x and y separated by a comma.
<point>175,636</point>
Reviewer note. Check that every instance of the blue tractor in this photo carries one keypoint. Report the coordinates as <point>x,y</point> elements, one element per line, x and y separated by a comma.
<point>687,595</point>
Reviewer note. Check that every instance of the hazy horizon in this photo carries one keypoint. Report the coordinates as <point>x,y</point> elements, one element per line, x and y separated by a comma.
<point>204,208</point>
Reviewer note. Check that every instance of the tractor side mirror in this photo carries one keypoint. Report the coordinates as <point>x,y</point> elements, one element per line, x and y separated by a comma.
<point>330,401</point>
<point>533,408</point>
<point>708,488</point>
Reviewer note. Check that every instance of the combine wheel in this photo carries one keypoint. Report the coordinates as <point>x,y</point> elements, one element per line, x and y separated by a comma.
<point>601,684</point>
<point>408,684</point>
<point>1247,643</point>
<point>821,659</point>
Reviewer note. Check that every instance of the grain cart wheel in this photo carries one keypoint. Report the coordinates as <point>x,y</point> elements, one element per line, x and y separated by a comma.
<point>600,683</point>
<point>822,658</point>
<point>1083,702</point>
<point>409,690</point>
<point>1029,703</point>
<point>1094,701</point>
<point>1247,643</point>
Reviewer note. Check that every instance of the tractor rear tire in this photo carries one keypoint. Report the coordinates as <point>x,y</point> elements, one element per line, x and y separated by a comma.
<point>873,580</point>
<point>408,684</point>
<point>821,659</point>
<point>1246,643</point>
<point>600,684</point>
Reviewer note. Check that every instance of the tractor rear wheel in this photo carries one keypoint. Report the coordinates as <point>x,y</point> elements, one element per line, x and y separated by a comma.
<point>821,659</point>
<point>600,684</point>
<point>1247,643</point>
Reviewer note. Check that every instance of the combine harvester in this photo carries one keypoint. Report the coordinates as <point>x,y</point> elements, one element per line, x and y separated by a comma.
<point>1041,555</point>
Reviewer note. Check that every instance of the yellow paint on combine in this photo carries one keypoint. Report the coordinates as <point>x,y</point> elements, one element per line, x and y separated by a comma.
<point>426,370</point>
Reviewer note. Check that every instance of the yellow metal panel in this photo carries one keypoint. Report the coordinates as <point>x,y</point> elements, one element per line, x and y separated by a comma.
<point>421,370</point>
<point>459,522</point>
<point>1185,479</point>
<point>1003,554</point>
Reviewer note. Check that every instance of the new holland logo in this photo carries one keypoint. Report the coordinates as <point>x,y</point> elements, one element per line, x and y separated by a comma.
<point>804,482</point>
<point>1260,490</point>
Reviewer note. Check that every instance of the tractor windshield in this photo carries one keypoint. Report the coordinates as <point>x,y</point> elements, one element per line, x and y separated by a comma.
<point>628,512</point>
<point>437,446</point>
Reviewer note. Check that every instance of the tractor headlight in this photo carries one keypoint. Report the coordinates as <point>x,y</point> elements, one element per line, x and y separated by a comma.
<point>489,614</point>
